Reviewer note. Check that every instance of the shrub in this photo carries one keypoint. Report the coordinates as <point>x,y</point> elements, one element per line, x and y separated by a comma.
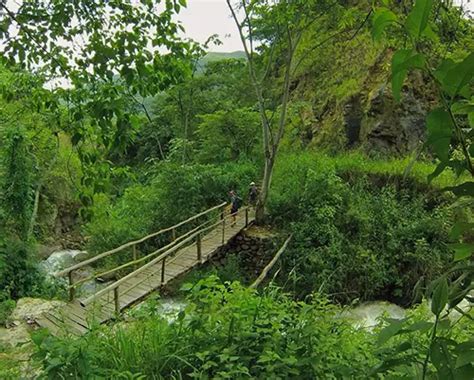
<point>226,331</point>
<point>6,308</point>
<point>171,194</point>
<point>20,275</point>
<point>356,236</point>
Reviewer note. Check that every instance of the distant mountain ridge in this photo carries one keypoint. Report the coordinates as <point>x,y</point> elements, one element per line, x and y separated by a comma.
<point>217,56</point>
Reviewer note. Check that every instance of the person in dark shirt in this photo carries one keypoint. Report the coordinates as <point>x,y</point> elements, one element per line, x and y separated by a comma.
<point>235,203</point>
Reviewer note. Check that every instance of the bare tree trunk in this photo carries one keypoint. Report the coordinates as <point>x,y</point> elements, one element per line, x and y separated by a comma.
<point>271,141</point>
<point>262,199</point>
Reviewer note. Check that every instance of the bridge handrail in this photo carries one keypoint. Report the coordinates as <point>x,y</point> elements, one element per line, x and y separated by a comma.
<point>137,261</point>
<point>67,271</point>
<point>156,260</point>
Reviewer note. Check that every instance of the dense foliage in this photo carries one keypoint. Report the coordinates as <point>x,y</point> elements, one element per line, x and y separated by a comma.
<point>170,194</point>
<point>227,331</point>
<point>361,236</point>
<point>150,133</point>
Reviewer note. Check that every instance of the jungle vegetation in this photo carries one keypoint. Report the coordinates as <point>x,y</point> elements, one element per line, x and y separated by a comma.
<point>146,129</point>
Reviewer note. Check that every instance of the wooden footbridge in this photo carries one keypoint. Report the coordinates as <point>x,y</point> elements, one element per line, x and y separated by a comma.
<point>176,250</point>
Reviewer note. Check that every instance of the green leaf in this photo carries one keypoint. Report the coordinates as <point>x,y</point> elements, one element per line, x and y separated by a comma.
<point>464,358</point>
<point>422,326</point>
<point>458,229</point>
<point>440,296</point>
<point>442,70</point>
<point>429,33</point>
<point>382,18</point>
<point>465,346</point>
<point>439,169</point>
<point>465,189</point>
<point>459,76</point>
<point>389,331</point>
<point>403,347</point>
<point>462,108</point>
<point>462,250</point>
<point>186,286</point>
<point>388,364</point>
<point>444,324</point>
<point>440,129</point>
<point>470,117</point>
<point>417,20</point>
<point>402,61</point>
<point>464,373</point>
<point>437,354</point>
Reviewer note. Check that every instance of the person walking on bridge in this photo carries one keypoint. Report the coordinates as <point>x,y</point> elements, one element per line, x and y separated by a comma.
<point>253,194</point>
<point>235,203</point>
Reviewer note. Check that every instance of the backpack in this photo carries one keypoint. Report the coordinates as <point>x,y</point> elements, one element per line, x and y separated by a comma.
<point>238,202</point>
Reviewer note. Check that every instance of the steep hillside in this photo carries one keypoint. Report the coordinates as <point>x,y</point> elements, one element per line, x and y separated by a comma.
<point>342,95</point>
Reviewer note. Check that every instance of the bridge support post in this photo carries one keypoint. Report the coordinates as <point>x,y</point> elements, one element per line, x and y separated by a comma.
<point>134,249</point>
<point>223,231</point>
<point>116,301</point>
<point>246,217</point>
<point>198,245</point>
<point>72,289</point>
<point>173,234</point>
<point>163,271</point>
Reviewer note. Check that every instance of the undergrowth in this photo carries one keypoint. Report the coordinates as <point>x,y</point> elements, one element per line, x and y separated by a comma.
<point>360,230</point>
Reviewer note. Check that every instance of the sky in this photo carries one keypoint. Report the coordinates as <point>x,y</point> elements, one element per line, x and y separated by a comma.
<point>203,18</point>
<point>467,4</point>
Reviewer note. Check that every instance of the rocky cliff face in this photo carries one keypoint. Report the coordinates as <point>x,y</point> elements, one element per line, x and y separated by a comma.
<point>376,122</point>
<point>365,115</point>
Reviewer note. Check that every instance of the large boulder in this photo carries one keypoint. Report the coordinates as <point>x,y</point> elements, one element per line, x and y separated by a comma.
<point>29,309</point>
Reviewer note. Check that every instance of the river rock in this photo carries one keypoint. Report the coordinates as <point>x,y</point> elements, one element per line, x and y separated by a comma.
<point>15,335</point>
<point>44,251</point>
<point>28,309</point>
<point>81,256</point>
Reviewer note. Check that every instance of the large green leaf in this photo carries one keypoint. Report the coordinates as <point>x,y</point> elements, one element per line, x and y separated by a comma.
<point>417,20</point>
<point>465,189</point>
<point>440,130</point>
<point>402,61</point>
<point>459,76</point>
<point>462,108</point>
<point>462,250</point>
<point>389,331</point>
<point>459,228</point>
<point>464,358</point>
<point>439,298</point>
<point>382,18</point>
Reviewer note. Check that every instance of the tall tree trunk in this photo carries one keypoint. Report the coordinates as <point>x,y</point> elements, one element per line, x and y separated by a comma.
<point>271,140</point>
<point>262,199</point>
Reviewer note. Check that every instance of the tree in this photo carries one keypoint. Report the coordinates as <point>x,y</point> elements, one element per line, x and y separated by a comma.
<point>278,26</point>
<point>228,135</point>
<point>222,86</point>
<point>108,53</point>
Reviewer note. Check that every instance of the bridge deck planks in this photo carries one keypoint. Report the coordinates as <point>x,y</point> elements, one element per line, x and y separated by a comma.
<point>76,319</point>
